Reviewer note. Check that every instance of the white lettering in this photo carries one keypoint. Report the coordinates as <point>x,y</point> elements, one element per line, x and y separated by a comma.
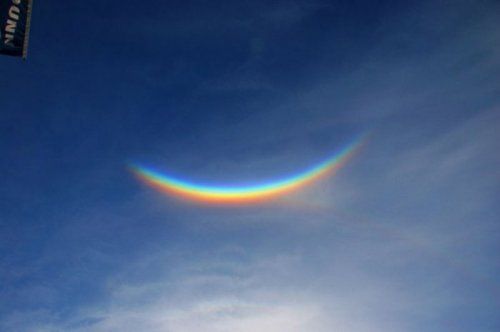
<point>11,26</point>
<point>14,13</point>
<point>9,39</point>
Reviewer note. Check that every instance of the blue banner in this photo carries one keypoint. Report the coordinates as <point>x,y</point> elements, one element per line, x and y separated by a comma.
<point>14,27</point>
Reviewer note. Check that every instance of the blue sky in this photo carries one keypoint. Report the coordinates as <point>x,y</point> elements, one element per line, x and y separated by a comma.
<point>405,237</point>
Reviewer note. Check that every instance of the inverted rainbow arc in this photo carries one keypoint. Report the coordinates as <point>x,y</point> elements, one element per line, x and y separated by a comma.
<point>243,194</point>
